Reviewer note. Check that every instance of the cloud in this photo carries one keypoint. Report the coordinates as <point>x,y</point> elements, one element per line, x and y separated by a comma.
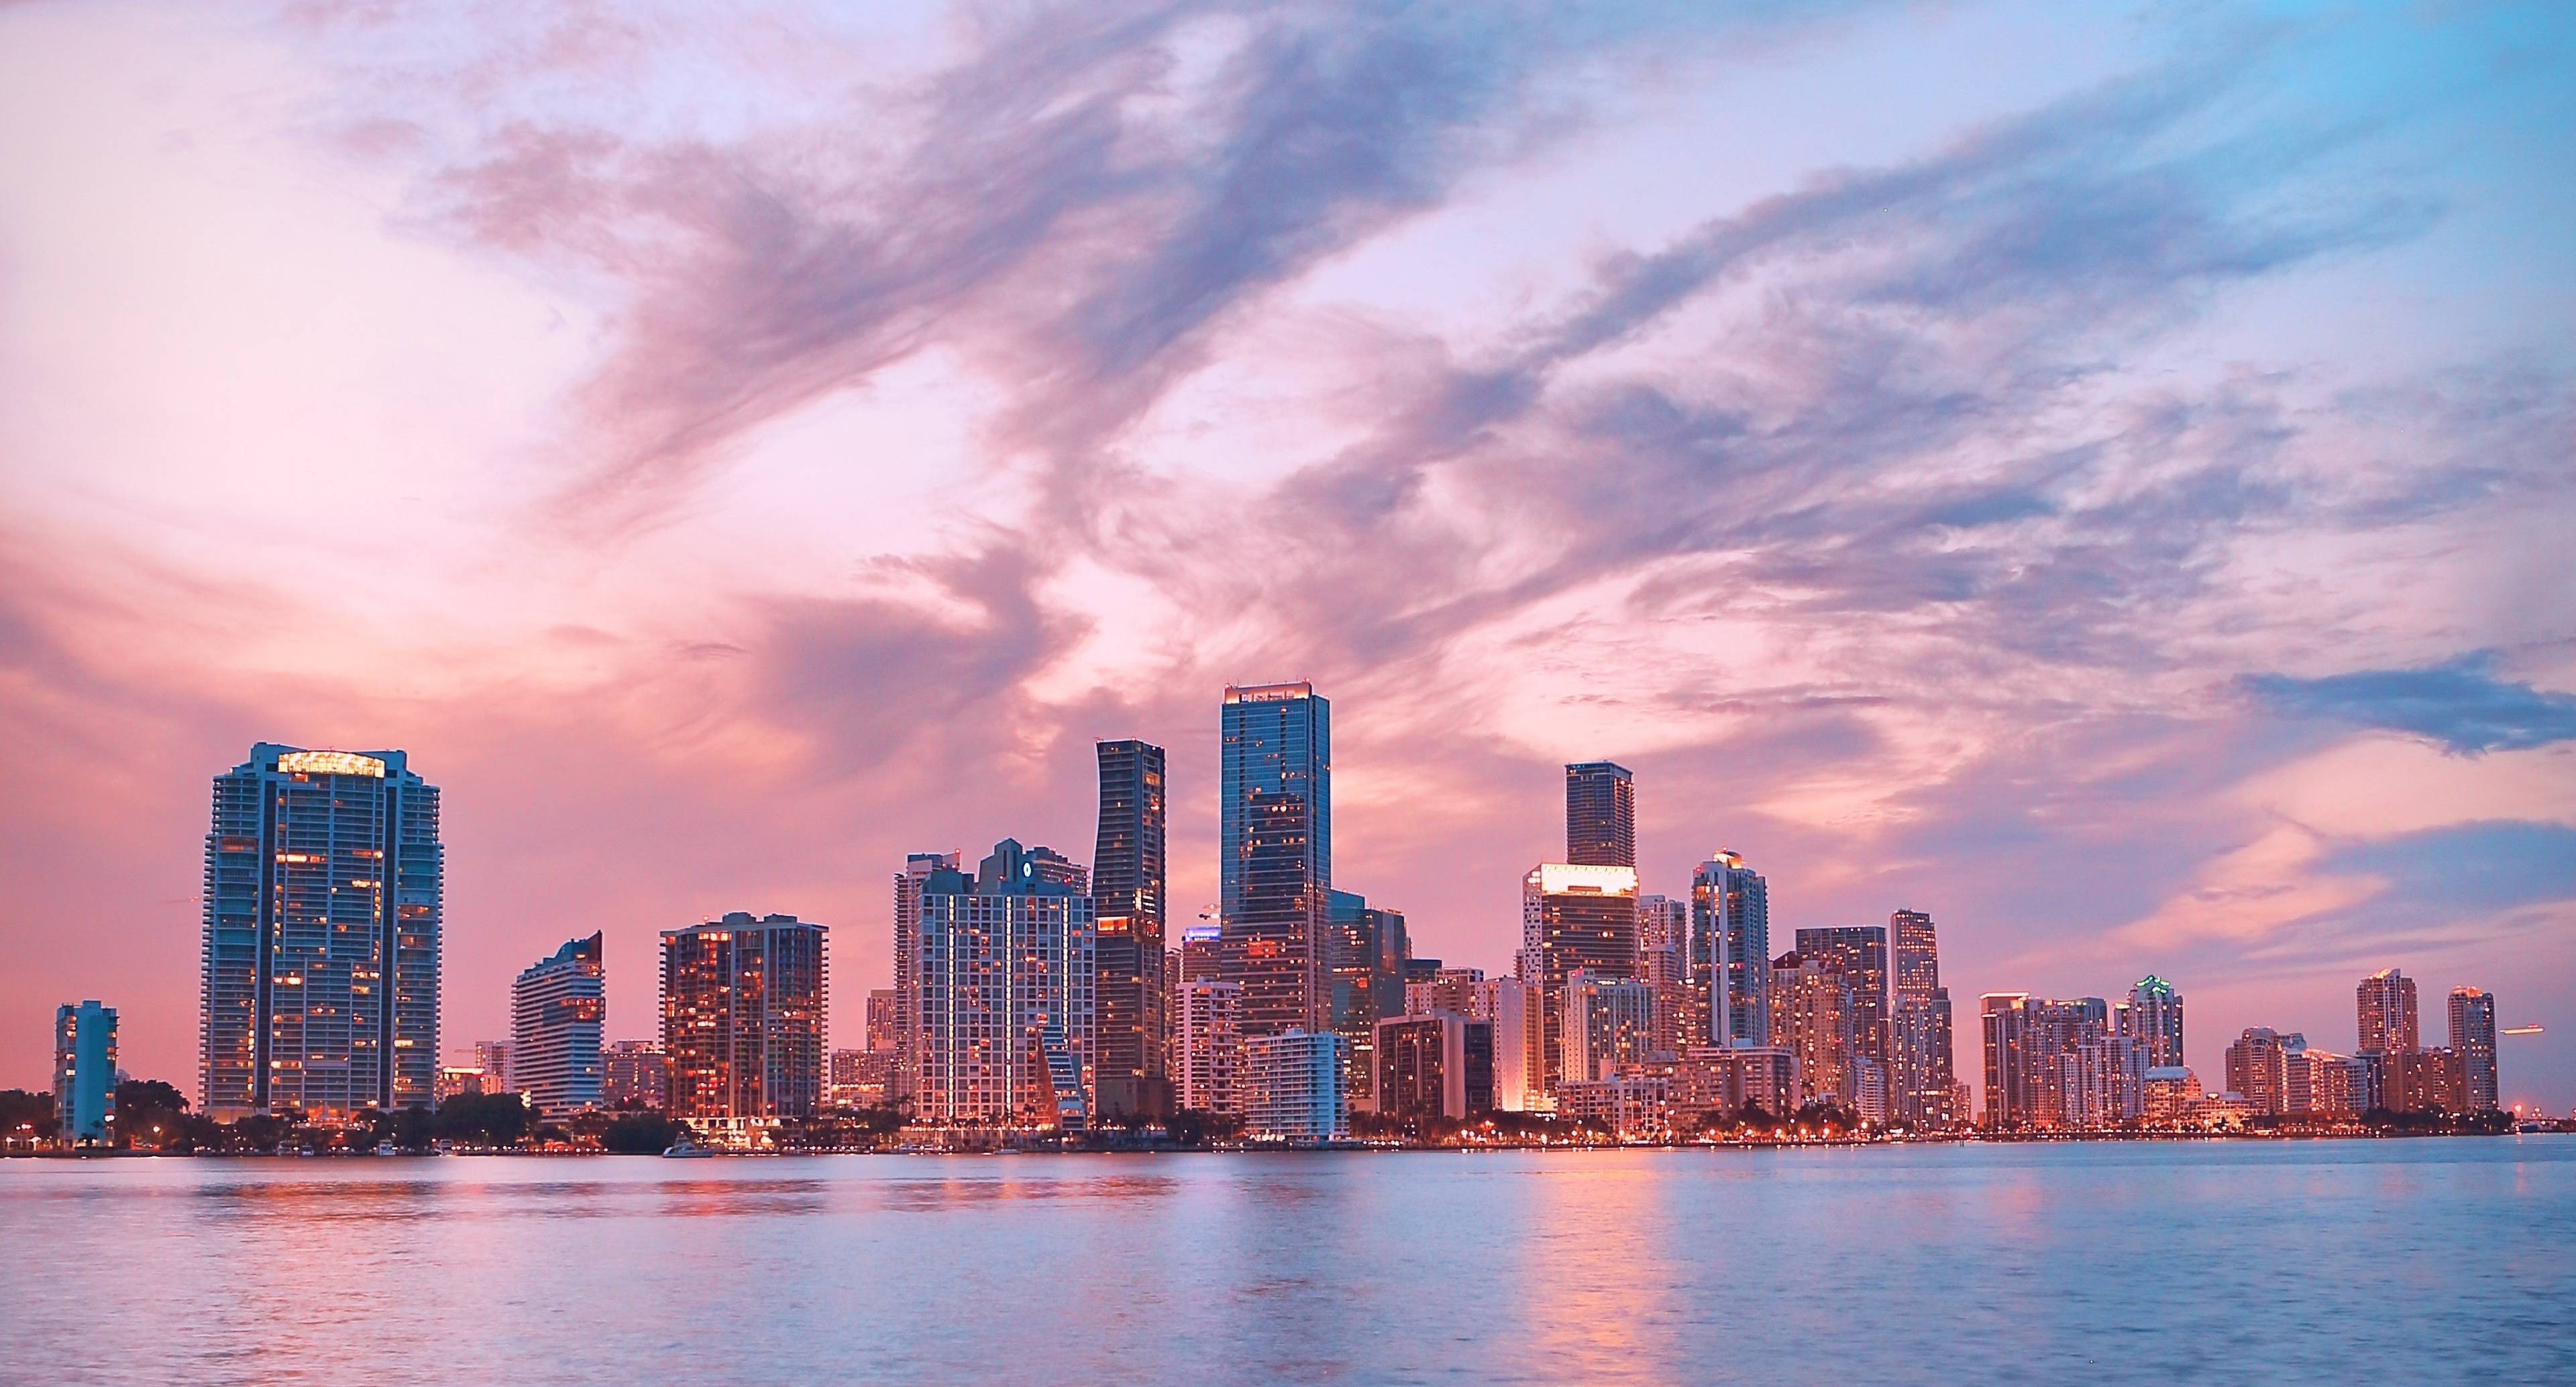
<point>2459,703</point>
<point>2485,866</point>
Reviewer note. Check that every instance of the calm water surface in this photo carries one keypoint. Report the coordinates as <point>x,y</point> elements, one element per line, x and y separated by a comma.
<point>2407,1261</point>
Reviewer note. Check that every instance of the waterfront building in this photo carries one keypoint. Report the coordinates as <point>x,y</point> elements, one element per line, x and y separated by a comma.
<point>1922,1073</point>
<point>744,1001</point>
<point>1859,953</point>
<point>1211,1046</point>
<point>556,1010</point>
<point>2473,1039</point>
<point>908,886</point>
<point>635,1075</point>
<point>1365,956</point>
<point>1815,1016</point>
<point>1275,842</point>
<point>85,1073</point>
<point>1731,949</point>
<point>2257,1069</point>
<point>2385,1003</point>
<point>1663,960</point>
<point>1608,1022</point>
<point>2153,1015</point>
<point>2422,1081</point>
<point>1008,968</point>
<point>1632,1105</point>
<point>1718,1081</point>
<point>1574,917</point>
<point>2322,1084</point>
<point>2058,1065</point>
<point>1128,895</point>
<point>1510,1006</point>
<point>1439,1065</point>
<point>1600,815</point>
<point>323,893</point>
<point>2168,1095</point>
<point>1293,1087</point>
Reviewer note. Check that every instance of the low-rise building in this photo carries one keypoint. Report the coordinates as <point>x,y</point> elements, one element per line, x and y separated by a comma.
<point>1293,1087</point>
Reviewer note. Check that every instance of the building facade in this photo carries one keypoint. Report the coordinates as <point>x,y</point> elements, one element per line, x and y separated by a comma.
<point>2059,1065</point>
<point>1009,964</point>
<point>633,1074</point>
<point>1609,1023</point>
<point>1922,1059</point>
<point>1711,1081</point>
<point>2473,1039</point>
<point>1600,815</point>
<point>323,895</point>
<point>908,886</point>
<point>1437,1066</point>
<point>1211,1046</point>
<point>1292,1083</point>
<point>557,1008</point>
<point>1731,949</point>
<point>1275,843</point>
<point>1663,960</point>
<point>1128,893</point>
<point>1574,917</point>
<point>1366,950</point>
<point>2153,1016</point>
<point>85,1073</point>
<point>744,1002</point>
<point>1859,953</point>
<point>1815,1015</point>
<point>2384,1004</point>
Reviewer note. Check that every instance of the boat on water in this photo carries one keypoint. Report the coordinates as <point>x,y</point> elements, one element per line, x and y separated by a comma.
<point>684,1149</point>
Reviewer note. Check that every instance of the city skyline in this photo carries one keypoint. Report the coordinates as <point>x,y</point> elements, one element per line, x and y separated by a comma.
<point>2100,491</point>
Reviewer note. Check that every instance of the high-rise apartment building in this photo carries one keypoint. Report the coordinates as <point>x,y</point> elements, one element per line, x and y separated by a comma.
<point>1600,815</point>
<point>1663,960</point>
<point>1608,1022</point>
<point>1009,967</point>
<point>2385,1003</point>
<point>1211,1046</point>
<point>556,1010</point>
<point>1292,1083</point>
<point>323,892</point>
<point>1859,953</point>
<point>2153,1016</point>
<point>744,1002</point>
<point>1436,1066</point>
<point>1128,894</point>
<point>2473,1039</point>
<point>635,1075</point>
<point>1574,917</point>
<point>1712,1081</point>
<point>860,1078</point>
<point>1816,1016</point>
<point>1275,842</point>
<point>884,1019</point>
<point>493,1058</point>
<point>2059,1065</point>
<point>1731,949</point>
<point>85,1073</point>
<point>1922,1074</point>
<point>908,885</point>
<point>1450,989</point>
<point>1510,1005</point>
<point>2257,1069</point>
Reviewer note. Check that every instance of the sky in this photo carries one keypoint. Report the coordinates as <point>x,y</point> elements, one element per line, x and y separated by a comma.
<point>2102,475</point>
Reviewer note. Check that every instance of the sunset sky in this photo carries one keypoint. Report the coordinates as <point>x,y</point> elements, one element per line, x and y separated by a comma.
<point>2105,476</point>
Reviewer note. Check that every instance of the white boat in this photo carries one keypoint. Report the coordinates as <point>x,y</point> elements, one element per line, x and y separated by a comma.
<point>684,1149</point>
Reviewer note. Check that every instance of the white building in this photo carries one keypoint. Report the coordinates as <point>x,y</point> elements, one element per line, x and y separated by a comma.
<point>1211,1046</point>
<point>1293,1087</point>
<point>557,1007</point>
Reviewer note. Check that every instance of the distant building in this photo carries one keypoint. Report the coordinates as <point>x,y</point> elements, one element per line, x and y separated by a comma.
<point>635,1075</point>
<point>2257,1069</point>
<point>860,1078</point>
<point>1450,989</point>
<point>1663,960</point>
<point>2321,1085</point>
<point>1199,957</point>
<point>1211,1046</point>
<point>2422,1081</point>
<point>1600,815</point>
<point>2153,1015</point>
<point>1815,1016</point>
<point>1574,917</point>
<point>2385,1003</point>
<point>493,1058</point>
<point>884,1020</point>
<point>1127,896</point>
<point>1275,842</point>
<point>556,1010</point>
<point>466,1080</point>
<point>1859,953</point>
<point>1366,950</point>
<point>1510,1006</point>
<point>1434,1066</point>
<point>2473,1039</point>
<point>85,1073</point>
<point>1632,1106</point>
<point>1718,1081</point>
<point>324,884</point>
<point>1731,949</point>
<point>1008,968</point>
<point>1922,1072</point>
<point>2059,1065</point>
<point>2169,1095</point>
<point>908,886</point>
<point>1608,1022</point>
<point>1293,1087</point>
<point>744,1001</point>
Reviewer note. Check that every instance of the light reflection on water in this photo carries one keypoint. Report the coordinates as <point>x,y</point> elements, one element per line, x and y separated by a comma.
<point>2411,1260</point>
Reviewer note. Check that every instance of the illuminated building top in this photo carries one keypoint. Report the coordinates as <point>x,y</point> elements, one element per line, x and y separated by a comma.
<point>331,763</point>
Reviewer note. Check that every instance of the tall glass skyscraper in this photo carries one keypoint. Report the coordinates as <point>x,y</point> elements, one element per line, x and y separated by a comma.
<point>1574,918</point>
<point>1922,1073</point>
<point>1731,948</point>
<point>1127,894</point>
<point>323,893</point>
<point>1276,844</point>
<point>557,1008</point>
<point>1600,815</point>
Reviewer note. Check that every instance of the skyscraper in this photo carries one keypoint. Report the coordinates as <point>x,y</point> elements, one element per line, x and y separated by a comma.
<point>917,868</point>
<point>1009,967</point>
<point>1663,960</point>
<point>2154,1017</point>
<point>1859,953</point>
<point>1573,917</point>
<point>744,1001</point>
<point>1127,895</point>
<point>1292,1087</point>
<point>1608,1022</point>
<point>2473,1039</point>
<point>1365,952</point>
<point>2385,1002</point>
<point>883,1019</point>
<point>323,891</point>
<point>1211,1046</point>
<point>85,1072</point>
<point>556,1008</point>
<point>1276,853</point>
<point>634,1074</point>
<point>1731,949</point>
<point>1816,1016</point>
<point>1600,815</point>
<point>1922,1073</point>
<point>2258,1068</point>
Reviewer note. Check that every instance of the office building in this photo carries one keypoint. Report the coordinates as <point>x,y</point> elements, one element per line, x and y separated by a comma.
<point>635,1075</point>
<point>1663,960</point>
<point>2153,1015</point>
<point>1608,1023</point>
<point>1275,844</point>
<point>1816,1016</point>
<point>1922,1073</point>
<point>1009,962</point>
<point>1366,950</point>
<point>1731,949</point>
<point>1710,1081</point>
<point>1128,892</point>
<point>1600,815</point>
<point>1211,1046</point>
<point>1573,918</point>
<point>1859,953</point>
<point>2385,1002</point>
<point>908,886</point>
<point>322,897</point>
<point>1436,1066</point>
<point>744,1001</point>
<point>1200,956</point>
<point>2473,1039</point>
<point>85,1073</point>
<point>1292,1084</point>
<point>556,1009</point>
